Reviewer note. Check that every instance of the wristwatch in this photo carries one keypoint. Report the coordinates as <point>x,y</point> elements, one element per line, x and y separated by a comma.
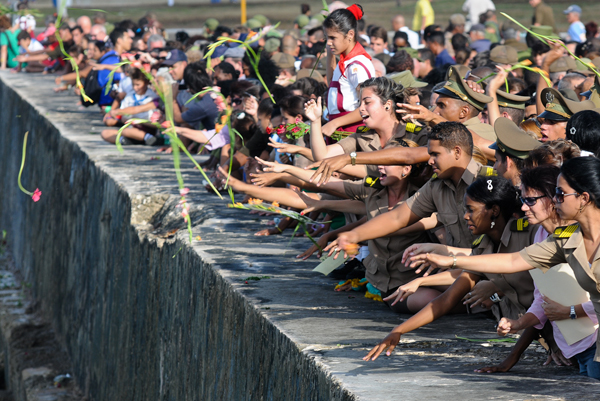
<point>353,158</point>
<point>573,315</point>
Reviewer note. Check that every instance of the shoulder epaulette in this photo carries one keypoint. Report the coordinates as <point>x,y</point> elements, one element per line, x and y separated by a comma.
<point>362,129</point>
<point>477,241</point>
<point>433,177</point>
<point>566,231</point>
<point>412,127</point>
<point>486,171</point>
<point>373,182</point>
<point>521,224</point>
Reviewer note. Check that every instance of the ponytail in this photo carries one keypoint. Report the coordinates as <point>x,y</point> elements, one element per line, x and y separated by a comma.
<point>345,20</point>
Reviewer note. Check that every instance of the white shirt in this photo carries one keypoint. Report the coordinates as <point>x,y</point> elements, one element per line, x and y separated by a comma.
<point>474,8</point>
<point>342,96</point>
<point>134,99</point>
<point>413,37</point>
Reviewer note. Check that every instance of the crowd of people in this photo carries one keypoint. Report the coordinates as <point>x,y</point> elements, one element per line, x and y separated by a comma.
<point>445,164</point>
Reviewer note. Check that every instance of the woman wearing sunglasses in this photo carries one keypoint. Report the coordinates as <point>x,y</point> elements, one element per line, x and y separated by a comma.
<point>577,198</point>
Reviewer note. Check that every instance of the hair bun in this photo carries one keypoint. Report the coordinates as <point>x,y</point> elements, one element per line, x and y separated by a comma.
<point>356,10</point>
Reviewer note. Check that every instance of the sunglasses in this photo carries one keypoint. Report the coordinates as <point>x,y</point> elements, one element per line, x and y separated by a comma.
<point>530,200</point>
<point>560,195</point>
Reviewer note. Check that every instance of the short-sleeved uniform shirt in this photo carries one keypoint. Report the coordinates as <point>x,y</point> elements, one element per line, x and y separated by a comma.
<point>576,32</point>
<point>561,248</point>
<point>423,9</point>
<point>543,15</point>
<point>369,141</point>
<point>385,269</point>
<point>443,197</point>
<point>342,96</point>
<point>518,287</point>
<point>9,39</point>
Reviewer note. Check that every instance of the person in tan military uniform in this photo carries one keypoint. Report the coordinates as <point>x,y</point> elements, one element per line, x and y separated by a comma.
<point>557,111</point>
<point>450,147</point>
<point>577,198</point>
<point>511,148</point>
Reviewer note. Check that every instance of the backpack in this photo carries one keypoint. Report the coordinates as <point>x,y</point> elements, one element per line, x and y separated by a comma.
<point>92,89</point>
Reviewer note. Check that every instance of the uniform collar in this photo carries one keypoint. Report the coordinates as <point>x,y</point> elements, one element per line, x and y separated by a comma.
<point>471,171</point>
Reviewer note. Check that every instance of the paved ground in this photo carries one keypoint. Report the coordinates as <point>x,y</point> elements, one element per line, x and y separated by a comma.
<point>336,329</point>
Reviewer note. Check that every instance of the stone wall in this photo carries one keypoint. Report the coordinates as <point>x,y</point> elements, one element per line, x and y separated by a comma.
<point>142,317</point>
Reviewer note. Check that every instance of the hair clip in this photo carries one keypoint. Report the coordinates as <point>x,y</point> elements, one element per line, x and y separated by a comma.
<point>490,185</point>
<point>573,130</point>
<point>241,116</point>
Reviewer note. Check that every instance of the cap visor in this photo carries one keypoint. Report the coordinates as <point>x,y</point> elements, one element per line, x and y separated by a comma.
<point>446,92</point>
<point>169,62</point>
<point>548,115</point>
<point>494,146</point>
<point>418,84</point>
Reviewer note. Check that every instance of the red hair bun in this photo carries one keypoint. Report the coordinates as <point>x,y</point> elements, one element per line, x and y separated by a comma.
<point>356,10</point>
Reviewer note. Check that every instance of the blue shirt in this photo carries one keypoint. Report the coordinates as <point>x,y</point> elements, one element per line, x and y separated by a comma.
<point>109,58</point>
<point>481,45</point>
<point>201,112</point>
<point>443,58</point>
<point>576,32</point>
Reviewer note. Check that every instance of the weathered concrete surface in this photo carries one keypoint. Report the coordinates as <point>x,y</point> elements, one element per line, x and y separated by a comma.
<point>146,318</point>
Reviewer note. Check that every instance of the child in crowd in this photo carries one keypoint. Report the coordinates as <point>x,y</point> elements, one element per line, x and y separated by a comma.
<point>137,105</point>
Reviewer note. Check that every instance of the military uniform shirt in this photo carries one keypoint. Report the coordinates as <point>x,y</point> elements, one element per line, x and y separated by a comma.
<point>560,248</point>
<point>443,197</point>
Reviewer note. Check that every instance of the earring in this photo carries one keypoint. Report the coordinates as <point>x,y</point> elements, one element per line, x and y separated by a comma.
<point>493,223</point>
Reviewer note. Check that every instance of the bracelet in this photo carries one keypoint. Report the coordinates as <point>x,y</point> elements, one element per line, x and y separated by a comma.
<point>453,262</point>
<point>495,298</point>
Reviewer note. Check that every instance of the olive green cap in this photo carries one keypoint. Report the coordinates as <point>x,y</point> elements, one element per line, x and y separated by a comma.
<point>462,71</point>
<point>414,53</point>
<point>512,140</point>
<point>302,21</point>
<point>264,21</point>
<point>595,89</point>
<point>563,64</point>
<point>511,100</point>
<point>560,108</point>
<point>211,24</point>
<point>456,88</point>
<point>406,79</point>
<point>272,45</point>
<point>253,24</point>
<point>384,58</point>
<point>309,73</point>
<point>274,33</point>
<point>320,17</point>
<point>504,55</point>
<point>544,30</point>
<point>582,67</point>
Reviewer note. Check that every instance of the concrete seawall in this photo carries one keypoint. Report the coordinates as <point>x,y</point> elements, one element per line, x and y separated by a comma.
<point>144,315</point>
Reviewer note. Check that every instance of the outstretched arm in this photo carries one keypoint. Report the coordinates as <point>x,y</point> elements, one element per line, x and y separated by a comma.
<point>434,310</point>
<point>501,263</point>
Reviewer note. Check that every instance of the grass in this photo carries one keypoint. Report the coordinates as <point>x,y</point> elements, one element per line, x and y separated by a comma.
<point>377,12</point>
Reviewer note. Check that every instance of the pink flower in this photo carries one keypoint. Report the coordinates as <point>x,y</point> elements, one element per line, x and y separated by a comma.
<point>295,129</point>
<point>280,130</point>
<point>184,191</point>
<point>298,120</point>
<point>37,194</point>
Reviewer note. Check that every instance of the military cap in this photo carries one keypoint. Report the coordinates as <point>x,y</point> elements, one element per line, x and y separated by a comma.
<point>560,108</point>
<point>272,45</point>
<point>264,21</point>
<point>283,60</point>
<point>274,33</point>
<point>512,140</point>
<point>456,88</point>
<point>253,24</point>
<point>414,53</point>
<point>302,21</point>
<point>309,73</point>
<point>504,55</point>
<point>458,19</point>
<point>211,24</point>
<point>544,30</point>
<point>581,67</point>
<point>461,69</point>
<point>406,79</point>
<point>563,64</point>
<point>511,100</point>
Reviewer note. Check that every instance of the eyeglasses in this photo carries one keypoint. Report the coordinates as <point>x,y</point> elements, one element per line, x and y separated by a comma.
<point>530,200</point>
<point>560,195</point>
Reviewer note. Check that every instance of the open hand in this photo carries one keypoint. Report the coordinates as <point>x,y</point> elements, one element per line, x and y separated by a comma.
<point>313,110</point>
<point>388,343</point>
<point>327,167</point>
<point>403,292</point>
